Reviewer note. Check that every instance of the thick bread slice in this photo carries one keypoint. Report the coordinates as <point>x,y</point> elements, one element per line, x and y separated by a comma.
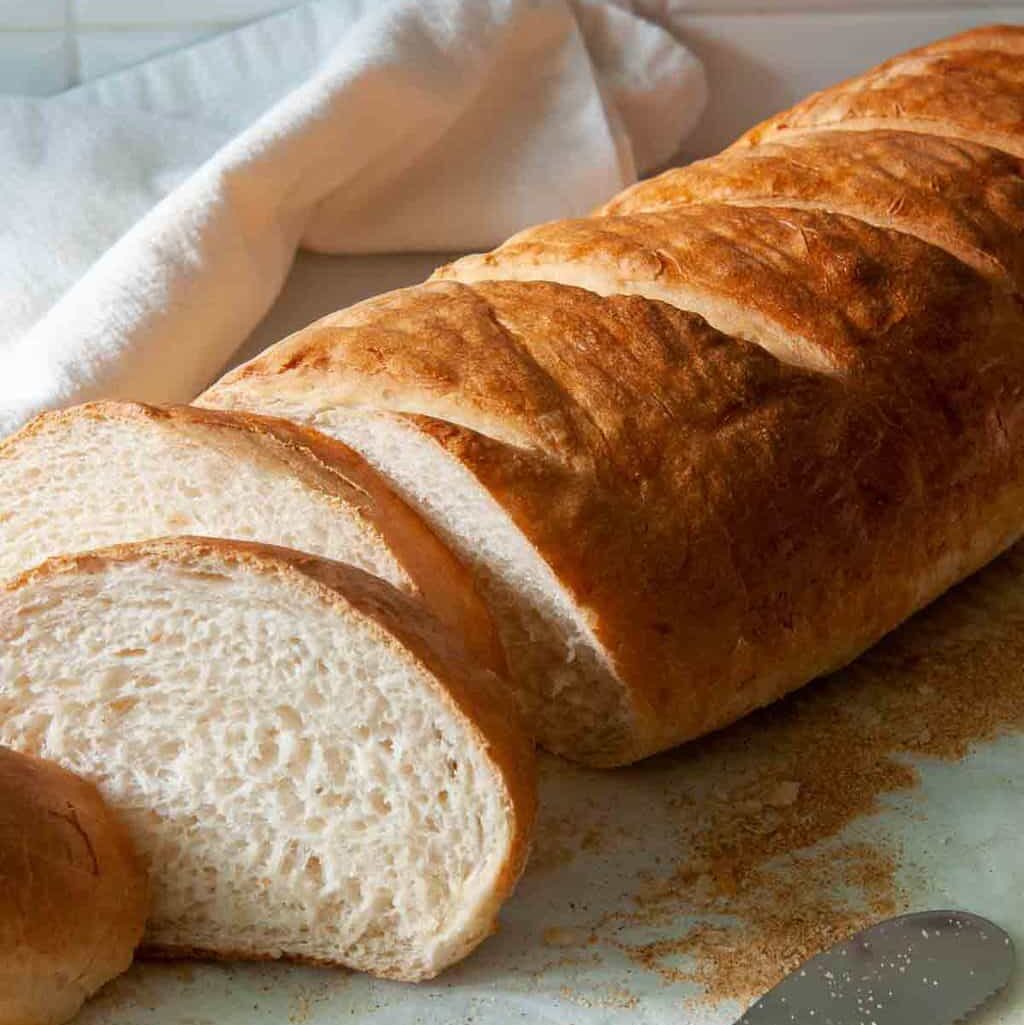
<point>73,892</point>
<point>815,289</point>
<point>308,765</point>
<point>703,526</point>
<point>408,379</point>
<point>968,87</point>
<point>111,472</point>
<point>964,198</point>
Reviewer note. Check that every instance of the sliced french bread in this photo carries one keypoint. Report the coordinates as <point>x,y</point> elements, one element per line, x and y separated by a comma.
<point>662,514</point>
<point>308,765</point>
<point>724,434</point>
<point>458,396</point>
<point>111,472</point>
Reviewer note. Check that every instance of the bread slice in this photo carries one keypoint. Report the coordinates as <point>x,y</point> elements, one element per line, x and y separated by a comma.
<point>308,764</point>
<point>73,892</point>
<point>112,472</point>
<point>404,378</point>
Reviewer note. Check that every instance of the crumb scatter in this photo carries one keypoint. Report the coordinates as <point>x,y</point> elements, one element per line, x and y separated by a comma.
<point>764,863</point>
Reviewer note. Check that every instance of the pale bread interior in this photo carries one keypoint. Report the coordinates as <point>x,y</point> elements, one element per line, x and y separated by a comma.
<point>298,783</point>
<point>76,483</point>
<point>567,689</point>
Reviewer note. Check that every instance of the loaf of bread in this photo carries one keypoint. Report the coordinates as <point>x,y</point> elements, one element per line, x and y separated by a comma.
<point>73,895</point>
<point>112,472</point>
<point>721,436</point>
<point>307,763</point>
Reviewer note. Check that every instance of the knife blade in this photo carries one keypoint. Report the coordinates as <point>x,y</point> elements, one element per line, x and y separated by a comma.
<point>926,968</point>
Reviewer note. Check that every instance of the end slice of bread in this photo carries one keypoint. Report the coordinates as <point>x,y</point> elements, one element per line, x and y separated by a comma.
<point>73,892</point>
<point>112,472</point>
<point>309,767</point>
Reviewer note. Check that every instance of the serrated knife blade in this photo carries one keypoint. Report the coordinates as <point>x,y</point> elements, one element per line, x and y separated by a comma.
<point>926,968</point>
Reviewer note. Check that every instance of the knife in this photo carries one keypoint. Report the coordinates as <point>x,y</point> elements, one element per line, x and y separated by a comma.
<point>927,968</point>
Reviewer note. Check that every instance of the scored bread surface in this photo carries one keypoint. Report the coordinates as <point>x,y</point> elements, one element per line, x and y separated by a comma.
<point>959,196</point>
<point>110,472</point>
<point>721,436</point>
<point>816,289</point>
<point>654,443</point>
<point>270,726</point>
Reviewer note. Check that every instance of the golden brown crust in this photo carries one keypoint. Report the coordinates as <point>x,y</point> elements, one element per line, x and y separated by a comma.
<point>73,893</point>
<point>965,198</point>
<point>474,694</point>
<point>816,289</point>
<point>968,88</point>
<point>345,479</point>
<point>729,525</point>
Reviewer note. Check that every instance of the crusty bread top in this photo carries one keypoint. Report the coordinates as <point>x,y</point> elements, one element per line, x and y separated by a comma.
<point>73,893</point>
<point>968,87</point>
<point>732,525</point>
<point>820,290</point>
<point>474,694</point>
<point>326,466</point>
<point>967,199</point>
<point>679,481</point>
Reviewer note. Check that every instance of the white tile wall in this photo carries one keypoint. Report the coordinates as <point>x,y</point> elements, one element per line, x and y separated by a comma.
<point>34,62</point>
<point>661,9</point>
<point>21,14</point>
<point>101,51</point>
<point>137,13</point>
<point>49,45</point>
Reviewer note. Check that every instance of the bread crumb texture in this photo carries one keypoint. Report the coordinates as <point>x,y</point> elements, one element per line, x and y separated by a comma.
<point>768,865</point>
<point>189,679</point>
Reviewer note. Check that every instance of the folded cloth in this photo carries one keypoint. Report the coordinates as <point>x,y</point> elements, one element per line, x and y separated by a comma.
<point>149,218</point>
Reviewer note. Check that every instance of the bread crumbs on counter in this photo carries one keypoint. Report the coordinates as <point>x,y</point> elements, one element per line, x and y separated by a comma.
<point>762,865</point>
<point>556,936</point>
<point>298,1009</point>
<point>606,996</point>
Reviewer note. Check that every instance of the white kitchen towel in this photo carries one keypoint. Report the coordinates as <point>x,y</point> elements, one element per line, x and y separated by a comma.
<point>148,219</point>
